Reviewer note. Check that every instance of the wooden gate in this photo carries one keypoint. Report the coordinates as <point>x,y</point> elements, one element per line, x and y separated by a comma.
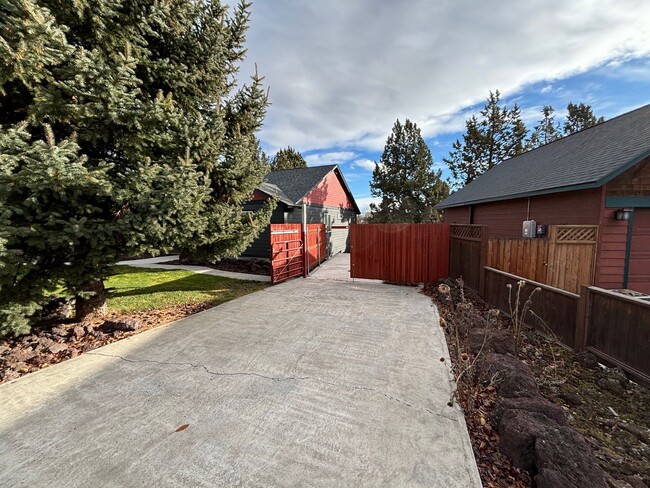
<point>565,260</point>
<point>287,258</point>
<point>405,253</point>
<point>316,241</point>
<point>294,253</point>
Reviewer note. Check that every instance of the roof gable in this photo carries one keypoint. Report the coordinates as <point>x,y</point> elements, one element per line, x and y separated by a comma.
<point>298,182</point>
<point>586,159</point>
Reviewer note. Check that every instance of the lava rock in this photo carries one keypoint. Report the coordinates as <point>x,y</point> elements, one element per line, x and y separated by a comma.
<point>587,360</point>
<point>514,377</point>
<point>563,458</point>
<point>59,331</point>
<point>537,404</point>
<point>126,325</point>
<point>570,397</point>
<point>518,431</point>
<point>498,341</point>
<point>611,385</point>
<point>20,354</point>
<point>56,348</point>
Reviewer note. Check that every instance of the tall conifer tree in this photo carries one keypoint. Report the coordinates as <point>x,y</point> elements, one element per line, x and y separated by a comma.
<point>497,135</point>
<point>405,180</point>
<point>123,130</point>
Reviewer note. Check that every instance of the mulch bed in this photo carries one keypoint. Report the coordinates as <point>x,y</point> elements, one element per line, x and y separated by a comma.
<point>249,266</point>
<point>53,343</point>
<point>611,412</point>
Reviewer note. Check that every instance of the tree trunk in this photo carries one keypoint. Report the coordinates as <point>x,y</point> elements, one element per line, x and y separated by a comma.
<point>93,304</point>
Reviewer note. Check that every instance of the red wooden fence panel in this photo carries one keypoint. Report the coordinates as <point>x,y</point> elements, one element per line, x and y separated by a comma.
<point>287,259</point>
<point>316,245</point>
<point>413,253</point>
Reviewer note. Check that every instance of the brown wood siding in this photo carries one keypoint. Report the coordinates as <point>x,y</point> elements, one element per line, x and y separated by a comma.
<point>639,270</point>
<point>634,182</point>
<point>456,215</point>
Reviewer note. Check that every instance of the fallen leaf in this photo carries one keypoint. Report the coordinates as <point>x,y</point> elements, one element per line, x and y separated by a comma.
<point>182,427</point>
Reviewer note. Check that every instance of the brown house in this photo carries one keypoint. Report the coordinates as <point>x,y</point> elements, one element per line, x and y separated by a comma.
<point>599,176</point>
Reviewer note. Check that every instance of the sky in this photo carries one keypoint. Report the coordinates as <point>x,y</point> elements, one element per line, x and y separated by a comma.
<point>340,72</point>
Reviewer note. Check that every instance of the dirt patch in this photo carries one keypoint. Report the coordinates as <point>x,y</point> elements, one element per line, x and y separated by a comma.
<point>600,403</point>
<point>56,342</point>
<point>249,266</point>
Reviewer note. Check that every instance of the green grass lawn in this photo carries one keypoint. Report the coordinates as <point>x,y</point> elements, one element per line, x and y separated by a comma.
<point>136,289</point>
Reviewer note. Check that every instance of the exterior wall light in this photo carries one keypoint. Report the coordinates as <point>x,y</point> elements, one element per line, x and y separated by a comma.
<point>623,214</point>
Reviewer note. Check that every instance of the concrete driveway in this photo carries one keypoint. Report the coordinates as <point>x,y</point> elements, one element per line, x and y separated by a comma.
<point>313,382</point>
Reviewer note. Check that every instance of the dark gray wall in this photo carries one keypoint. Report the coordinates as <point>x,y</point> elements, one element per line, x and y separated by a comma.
<point>261,247</point>
<point>335,216</point>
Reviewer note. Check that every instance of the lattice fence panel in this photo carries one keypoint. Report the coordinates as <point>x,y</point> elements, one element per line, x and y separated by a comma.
<point>466,231</point>
<point>577,234</point>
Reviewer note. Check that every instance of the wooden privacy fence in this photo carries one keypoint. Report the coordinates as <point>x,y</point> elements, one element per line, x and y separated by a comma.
<point>468,254</point>
<point>554,310</point>
<point>411,253</point>
<point>565,260</point>
<point>316,245</point>
<point>614,327</point>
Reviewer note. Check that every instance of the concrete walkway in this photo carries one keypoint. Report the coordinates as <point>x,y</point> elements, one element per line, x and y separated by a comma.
<point>158,263</point>
<point>312,382</point>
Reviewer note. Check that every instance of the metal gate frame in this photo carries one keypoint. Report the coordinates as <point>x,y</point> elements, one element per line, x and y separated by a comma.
<point>292,246</point>
<point>287,253</point>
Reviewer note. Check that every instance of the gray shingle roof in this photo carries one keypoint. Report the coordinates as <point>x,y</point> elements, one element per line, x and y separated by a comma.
<point>586,159</point>
<point>275,191</point>
<point>296,183</point>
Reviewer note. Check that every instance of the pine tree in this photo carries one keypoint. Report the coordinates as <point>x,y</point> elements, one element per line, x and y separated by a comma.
<point>580,116</point>
<point>404,179</point>
<point>288,158</point>
<point>497,135</point>
<point>547,129</point>
<point>123,130</point>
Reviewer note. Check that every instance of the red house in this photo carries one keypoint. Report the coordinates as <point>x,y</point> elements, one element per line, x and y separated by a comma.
<point>598,176</point>
<point>319,192</point>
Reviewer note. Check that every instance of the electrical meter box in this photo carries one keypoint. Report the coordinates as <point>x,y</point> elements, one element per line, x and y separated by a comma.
<point>529,229</point>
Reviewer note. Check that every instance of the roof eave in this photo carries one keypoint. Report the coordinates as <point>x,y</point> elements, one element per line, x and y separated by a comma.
<point>583,186</point>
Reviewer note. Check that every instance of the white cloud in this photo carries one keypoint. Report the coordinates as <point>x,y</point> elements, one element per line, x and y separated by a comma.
<point>364,164</point>
<point>364,202</point>
<point>546,89</point>
<point>336,157</point>
<point>341,72</point>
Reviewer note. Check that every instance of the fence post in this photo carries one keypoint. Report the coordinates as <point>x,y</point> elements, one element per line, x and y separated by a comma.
<point>583,316</point>
<point>483,261</point>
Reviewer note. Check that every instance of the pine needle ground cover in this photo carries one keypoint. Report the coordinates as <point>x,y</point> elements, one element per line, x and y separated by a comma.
<point>137,289</point>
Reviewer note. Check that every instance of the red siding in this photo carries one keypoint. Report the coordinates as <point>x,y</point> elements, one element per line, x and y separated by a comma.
<point>504,218</point>
<point>456,215</point>
<point>567,208</point>
<point>611,251</point>
<point>330,192</point>
<point>258,195</point>
<point>639,273</point>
